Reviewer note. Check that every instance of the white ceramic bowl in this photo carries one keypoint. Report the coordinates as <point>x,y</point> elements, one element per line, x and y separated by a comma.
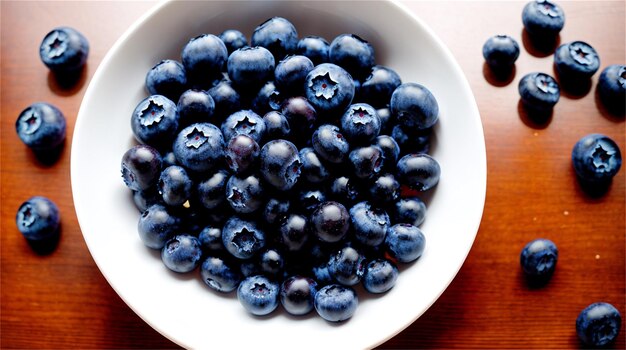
<point>181,307</point>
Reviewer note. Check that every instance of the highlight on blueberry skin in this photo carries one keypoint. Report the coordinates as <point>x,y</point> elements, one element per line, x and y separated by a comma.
<point>258,295</point>
<point>598,325</point>
<point>369,223</point>
<point>141,167</point>
<point>182,253</point>
<point>242,238</point>
<point>538,259</point>
<point>246,122</point>
<point>167,78</point>
<point>157,225</point>
<point>380,276</point>
<point>280,164</point>
<point>353,53</point>
<point>38,219</point>
<point>329,88</point>
<point>418,171</point>
<point>501,52</point>
<point>410,210</point>
<point>414,106</point>
<point>315,48</point>
<point>199,147</point>
<point>297,295</point>
<point>250,67</point>
<point>244,194</point>
<point>41,126</point>
<point>64,50</point>
<point>155,121</point>
<point>204,57</point>
<point>543,19</point>
<point>277,35</point>
<point>330,221</point>
<point>233,40</point>
<point>576,61</point>
<point>612,88</point>
<point>336,303</point>
<point>195,106</point>
<point>347,266</point>
<point>539,92</point>
<point>405,242</point>
<point>220,274</point>
<point>175,185</point>
<point>596,159</point>
<point>360,123</point>
<point>211,192</point>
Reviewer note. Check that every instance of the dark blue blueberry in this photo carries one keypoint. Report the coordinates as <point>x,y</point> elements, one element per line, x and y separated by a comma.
<point>390,148</point>
<point>220,274</point>
<point>315,48</point>
<point>596,158</point>
<point>276,126</point>
<point>242,153</point>
<point>418,171</point>
<point>294,232</point>
<point>313,170</point>
<point>576,61</point>
<point>360,123</point>
<point>538,259</point>
<point>380,276</point>
<point>330,144</point>
<point>244,122</point>
<point>297,294</point>
<point>182,253</point>
<point>212,191</point>
<point>64,50</point>
<point>353,53</point>
<point>268,98</point>
<point>258,295</point>
<point>347,266</point>
<point>411,210</point>
<point>244,194</point>
<point>276,210</point>
<point>309,199</point>
<point>385,189</point>
<point>369,223</point>
<point>167,78</point>
<point>280,164</point>
<point>250,67</point>
<point>501,52</point>
<point>539,92</point>
<point>329,88</point>
<point>414,106</point>
<point>322,275</point>
<point>612,88</point>
<point>290,74</point>
<point>272,263</point>
<point>156,225</point>
<point>330,221</point>
<point>543,18</point>
<point>199,147</point>
<point>211,239</point>
<point>155,121</point>
<point>377,88</point>
<point>301,116</point>
<point>38,219</point>
<point>278,35</point>
<point>175,185</point>
<point>204,58</point>
<point>343,190</point>
<point>250,268</point>
<point>411,140</point>
<point>227,100</point>
<point>336,303</point>
<point>141,167</point>
<point>242,238</point>
<point>233,40</point>
<point>169,159</point>
<point>405,242</point>
<point>598,324</point>
<point>41,126</point>
<point>366,161</point>
<point>195,106</point>
<point>386,119</point>
<point>144,199</point>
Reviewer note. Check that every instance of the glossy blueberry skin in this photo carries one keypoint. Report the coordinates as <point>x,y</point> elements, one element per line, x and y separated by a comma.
<point>360,124</point>
<point>175,185</point>
<point>250,67</point>
<point>411,210</point>
<point>169,159</point>
<point>182,253</point>
<point>297,295</point>
<point>390,148</point>
<point>204,58</point>
<point>276,126</point>
<point>41,126</point>
<point>212,191</point>
<point>315,48</point>
<point>387,120</point>
<point>268,98</point>
<point>144,199</point>
<point>539,92</point>
<point>258,294</point>
<point>347,266</point>
<point>199,147</point>
<point>242,153</point>
<point>227,100</point>
<point>313,170</point>
<point>155,121</point>
<point>272,263</point>
<point>245,122</point>
<point>330,221</point>
<point>329,88</point>
<point>220,274</point>
<point>377,88</point>
<point>353,53</point>
<point>195,106</point>
<point>302,117</point>
<point>501,52</point>
<point>336,303</point>
<point>596,158</point>
<point>343,190</point>
<point>294,232</point>
<point>38,218</point>
<point>538,259</point>
<point>366,161</point>
<point>414,106</point>
<point>156,225</point>
<point>370,224</point>
<point>543,18</point>
<point>385,189</point>
<point>321,275</point>
<point>576,61</point>
<point>278,35</point>
<point>141,167</point>
<point>418,171</point>
<point>64,50</point>
<point>612,88</point>
<point>276,210</point>
<point>598,324</point>
<point>211,239</point>
<point>405,242</point>
<point>167,78</point>
<point>280,164</point>
<point>380,276</point>
<point>233,40</point>
<point>330,144</point>
<point>290,74</point>
<point>244,194</point>
<point>308,200</point>
<point>242,238</point>
<point>411,140</point>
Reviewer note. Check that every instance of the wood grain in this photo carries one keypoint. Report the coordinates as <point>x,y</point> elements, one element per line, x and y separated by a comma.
<point>61,300</point>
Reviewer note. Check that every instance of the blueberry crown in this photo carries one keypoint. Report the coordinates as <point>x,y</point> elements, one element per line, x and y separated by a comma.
<point>324,86</point>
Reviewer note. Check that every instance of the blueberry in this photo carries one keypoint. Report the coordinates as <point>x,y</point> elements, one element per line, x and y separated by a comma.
<point>538,259</point>
<point>353,53</point>
<point>227,100</point>
<point>271,263</point>
<point>276,210</point>
<point>167,78</point>
<point>291,72</point>
<point>370,224</point>
<point>385,189</point>
<point>175,185</point>
<point>598,324</point>
<point>268,98</point>
<point>576,61</point>
<point>249,268</point>
<point>377,88</point>
<point>294,232</point>
<point>220,274</point>
<point>366,161</point>
<point>330,144</point>
<point>212,191</point>
<point>141,167</point>
<point>330,221</point>
<point>242,153</point>
<point>278,35</point>
<point>543,18</point>
<point>539,92</point>
<point>258,295</point>
<point>386,119</point>
<point>182,253</point>
<point>199,147</point>
<point>336,303</point>
<point>250,67</point>
<point>233,40</point>
<point>380,276</point>
<point>411,140</point>
<point>144,199</point>
<point>301,116</point>
<point>41,126</point>
<point>315,48</point>
<point>360,123</point>
<point>211,239</point>
<point>313,170</point>
<point>195,106</point>
<point>411,210</point>
<point>244,194</point>
<point>297,295</point>
<point>405,242</point>
<point>242,238</point>
<point>596,158</point>
<point>276,126</point>
<point>245,122</point>
<point>390,148</point>
<point>38,219</point>
<point>322,275</point>
<point>204,57</point>
<point>418,171</point>
<point>414,106</point>
<point>64,50</point>
<point>169,158</point>
<point>157,225</point>
<point>155,121</point>
<point>343,190</point>
<point>309,199</point>
<point>280,164</point>
<point>329,88</point>
<point>347,266</point>
<point>501,52</point>
<point>612,88</point>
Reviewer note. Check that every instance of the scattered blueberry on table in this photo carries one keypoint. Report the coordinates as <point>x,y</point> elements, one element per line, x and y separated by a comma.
<point>543,19</point>
<point>501,52</point>
<point>598,325</point>
<point>596,159</point>
<point>576,61</point>
<point>539,92</point>
<point>64,50</point>
<point>538,260</point>
<point>42,127</point>
<point>612,88</point>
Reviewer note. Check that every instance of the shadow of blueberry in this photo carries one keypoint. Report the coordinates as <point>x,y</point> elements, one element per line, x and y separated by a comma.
<point>67,83</point>
<point>572,89</point>
<point>614,114</point>
<point>498,78</point>
<point>594,189</point>
<point>45,246</point>
<point>533,118</point>
<point>48,157</point>
<point>540,46</point>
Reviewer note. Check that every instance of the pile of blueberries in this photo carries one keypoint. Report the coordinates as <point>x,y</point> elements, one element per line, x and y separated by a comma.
<point>278,167</point>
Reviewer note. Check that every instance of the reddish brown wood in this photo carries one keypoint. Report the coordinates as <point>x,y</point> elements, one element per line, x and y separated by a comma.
<point>61,300</point>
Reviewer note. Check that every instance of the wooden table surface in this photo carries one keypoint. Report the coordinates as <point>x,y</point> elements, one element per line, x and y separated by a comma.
<point>61,300</point>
